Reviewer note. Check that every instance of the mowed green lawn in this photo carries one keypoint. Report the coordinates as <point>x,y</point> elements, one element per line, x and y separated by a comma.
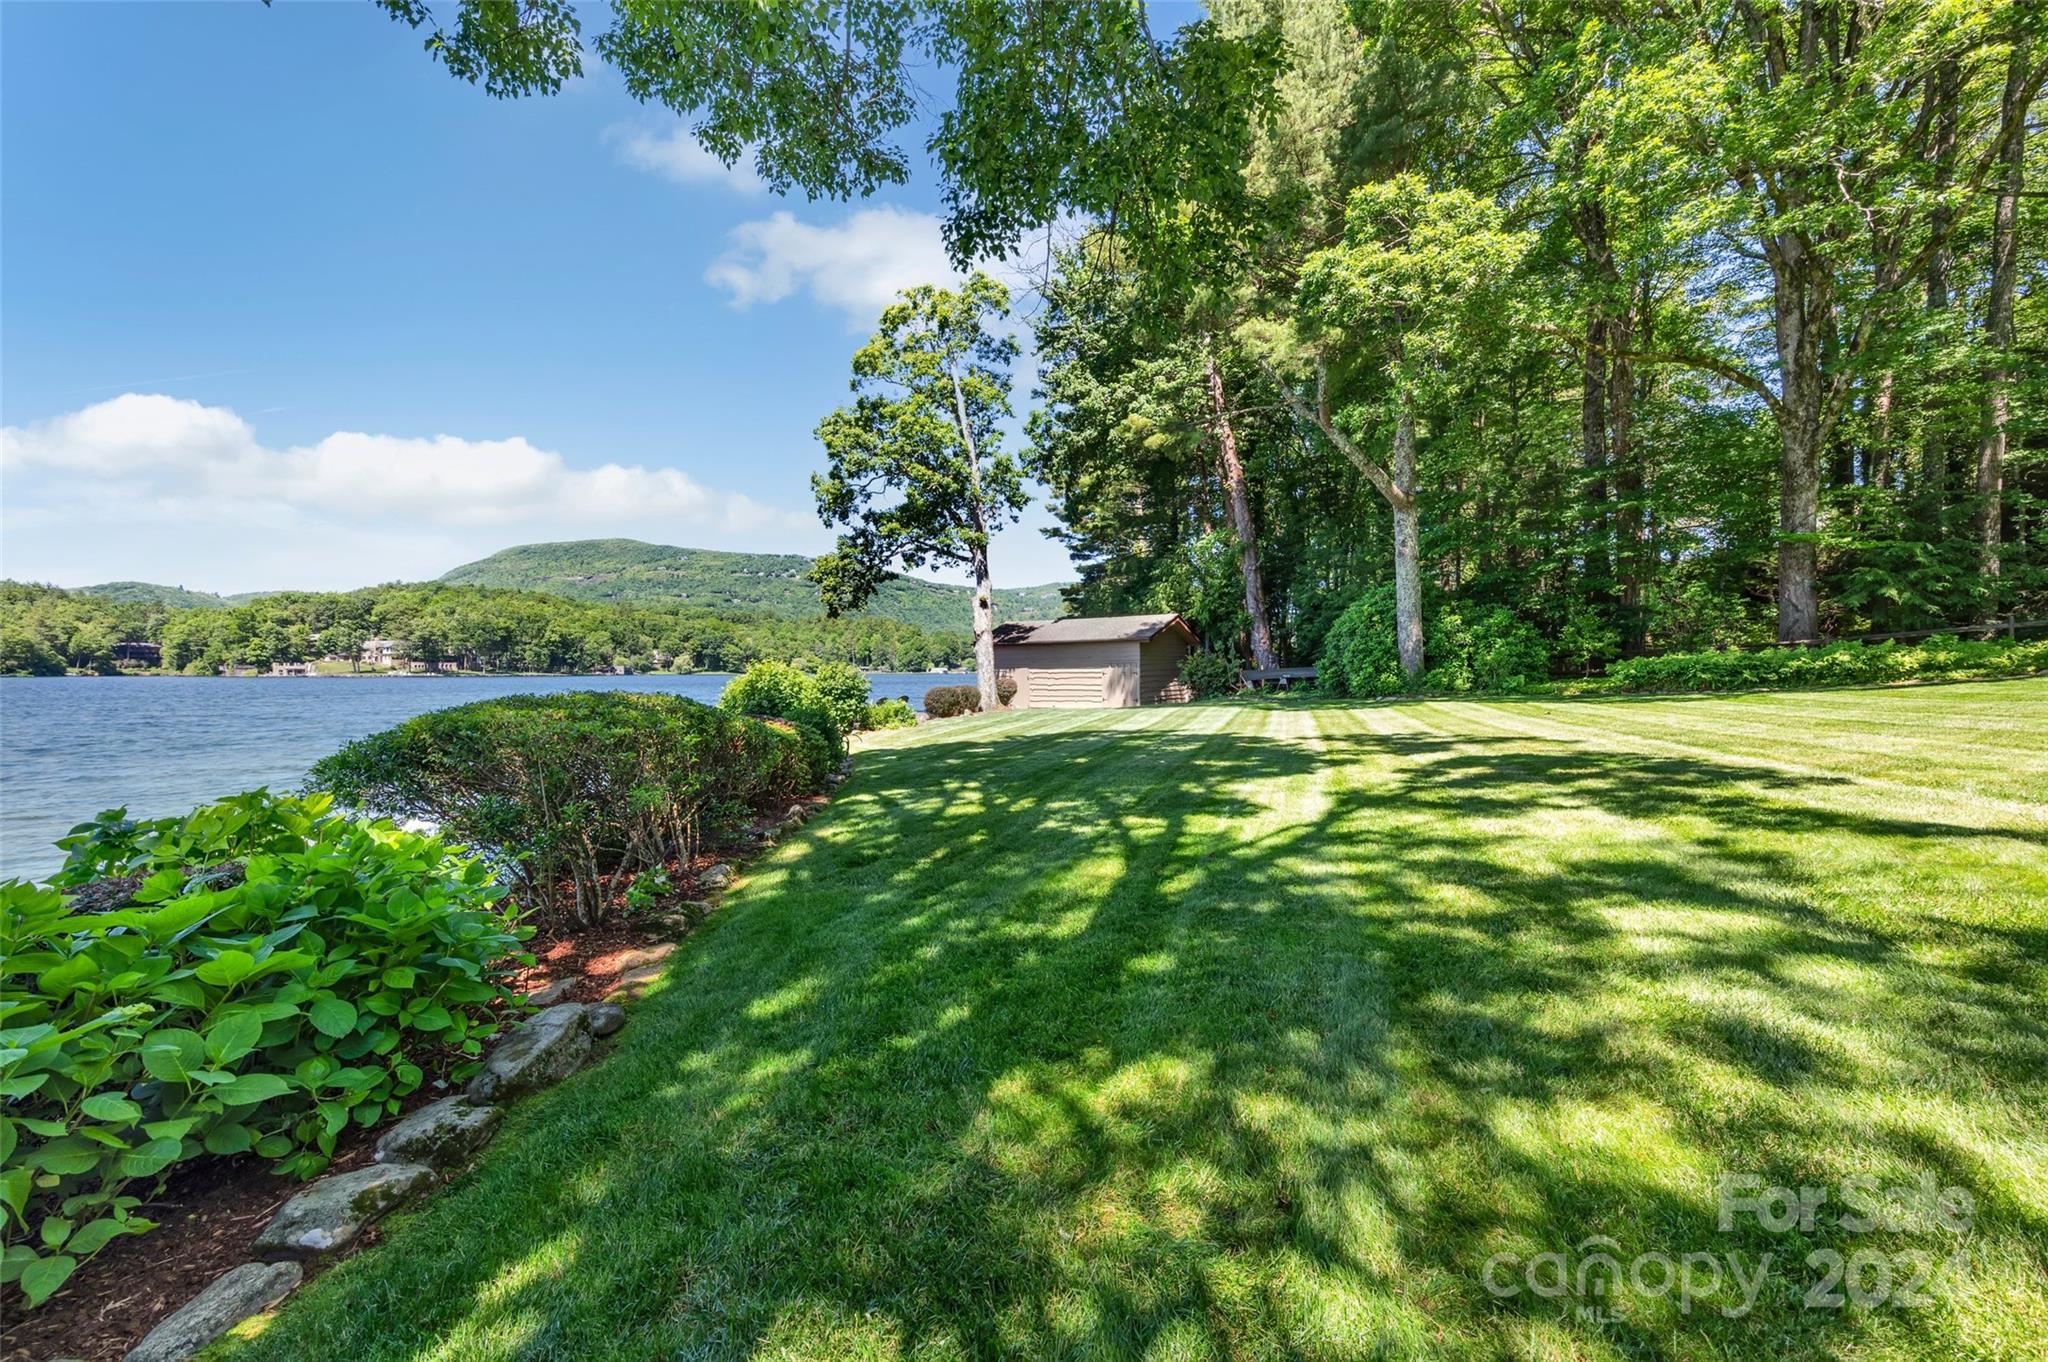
<point>1260,1030</point>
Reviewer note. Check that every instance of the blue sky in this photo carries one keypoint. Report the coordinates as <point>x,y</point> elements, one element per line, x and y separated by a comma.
<point>283,304</point>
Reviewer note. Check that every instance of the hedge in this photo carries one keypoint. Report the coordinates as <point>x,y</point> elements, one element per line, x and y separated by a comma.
<point>1942,657</point>
<point>575,788</point>
<point>776,690</point>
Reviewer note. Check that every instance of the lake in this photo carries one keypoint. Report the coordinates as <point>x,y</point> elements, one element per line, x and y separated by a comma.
<point>71,746</point>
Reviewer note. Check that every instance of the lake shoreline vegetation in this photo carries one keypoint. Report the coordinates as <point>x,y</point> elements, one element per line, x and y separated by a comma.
<point>436,628</point>
<point>187,987</point>
<point>1632,416</point>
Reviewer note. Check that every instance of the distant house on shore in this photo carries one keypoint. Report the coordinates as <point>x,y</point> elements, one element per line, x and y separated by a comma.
<point>383,652</point>
<point>291,669</point>
<point>139,654</point>
<point>1114,661</point>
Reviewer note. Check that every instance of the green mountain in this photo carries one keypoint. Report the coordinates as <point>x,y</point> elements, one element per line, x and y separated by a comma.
<point>150,593</point>
<point>753,583</point>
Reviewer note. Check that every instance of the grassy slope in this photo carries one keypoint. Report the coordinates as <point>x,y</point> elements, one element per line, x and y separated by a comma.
<point>766,583</point>
<point>1254,1031</point>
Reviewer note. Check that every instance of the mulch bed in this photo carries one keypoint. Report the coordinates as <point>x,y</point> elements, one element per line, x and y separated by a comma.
<point>209,1215</point>
<point>212,1210</point>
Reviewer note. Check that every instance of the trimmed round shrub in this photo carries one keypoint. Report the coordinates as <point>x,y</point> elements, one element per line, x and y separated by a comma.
<point>946,702</point>
<point>254,977</point>
<point>568,790</point>
<point>779,691</point>
<point>776,690</point>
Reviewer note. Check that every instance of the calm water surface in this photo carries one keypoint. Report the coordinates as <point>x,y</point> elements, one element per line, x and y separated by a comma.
<point>72,746</point>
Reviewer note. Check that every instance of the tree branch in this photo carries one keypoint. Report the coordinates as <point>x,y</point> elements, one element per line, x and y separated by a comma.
<point>1721,368</point>
<point>1374,474</point>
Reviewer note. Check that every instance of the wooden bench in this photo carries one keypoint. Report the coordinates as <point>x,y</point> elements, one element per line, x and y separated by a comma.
<point>1256,677</point>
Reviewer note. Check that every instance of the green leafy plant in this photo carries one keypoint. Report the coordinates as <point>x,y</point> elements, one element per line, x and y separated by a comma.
<point>776,690</point>
<point>567,791</point>
<point>894,712</point>
<point>1587,639</point>
<point>1209,672</point>
<point>843,689</point>
<point>1942,657</point>
<point>648,888</point>
<point>1360,656</point>
<point>1486,648</point>
<point>270,973</point>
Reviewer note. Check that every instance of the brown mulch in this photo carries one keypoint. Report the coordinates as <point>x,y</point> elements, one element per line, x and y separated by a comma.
<point>207,1217</point>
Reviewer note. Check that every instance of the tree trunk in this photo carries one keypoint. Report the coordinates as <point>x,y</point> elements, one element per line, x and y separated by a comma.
<point>1998,319</point>
<point>1877,470</point>
<point>1238,499</point>
<point>1799,521</point>
<point>1944,90</point>
<point>1594,532</point>
<point>1628,477</point>
<point>1801,294</point>
<point>984,588</point>
<point>985,632</point>
<point>1407,546</point>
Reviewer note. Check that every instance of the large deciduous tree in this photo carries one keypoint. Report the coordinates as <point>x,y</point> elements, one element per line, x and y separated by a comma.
<point>1417,280</point>
<point>1832,145</point>
<point>917,471</point>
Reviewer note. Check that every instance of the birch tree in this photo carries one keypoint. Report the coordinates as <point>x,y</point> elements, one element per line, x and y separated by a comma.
<point>917,472</point>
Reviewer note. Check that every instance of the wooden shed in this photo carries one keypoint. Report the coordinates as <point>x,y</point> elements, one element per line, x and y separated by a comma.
<point>1114,661</point>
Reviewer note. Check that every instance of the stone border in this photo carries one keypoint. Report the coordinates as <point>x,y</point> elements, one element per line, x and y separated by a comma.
<point>326,1219</point>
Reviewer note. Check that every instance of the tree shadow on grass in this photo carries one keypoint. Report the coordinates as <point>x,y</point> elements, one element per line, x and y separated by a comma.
<point>1220,1036</point>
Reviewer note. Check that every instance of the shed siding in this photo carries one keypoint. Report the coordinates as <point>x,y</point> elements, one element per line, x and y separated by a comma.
<point>1159,680</point>
<point>1072,675</point>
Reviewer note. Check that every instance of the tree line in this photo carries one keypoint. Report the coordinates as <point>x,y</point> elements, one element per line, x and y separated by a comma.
<point>46,630</point>
<point>1666,325</point>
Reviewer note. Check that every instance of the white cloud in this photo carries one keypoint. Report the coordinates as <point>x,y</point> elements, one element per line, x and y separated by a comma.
<point>857,266</point>
<point>160,488</point>
<point>675,155</point>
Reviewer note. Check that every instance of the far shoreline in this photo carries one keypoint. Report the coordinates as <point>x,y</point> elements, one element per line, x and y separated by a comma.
<point>394,675</point>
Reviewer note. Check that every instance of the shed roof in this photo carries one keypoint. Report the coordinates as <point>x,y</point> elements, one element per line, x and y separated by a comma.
<point>1099,629</point>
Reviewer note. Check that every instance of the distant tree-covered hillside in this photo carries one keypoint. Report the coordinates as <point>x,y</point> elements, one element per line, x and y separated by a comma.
<point>750,583</point>
<point>151,593</point>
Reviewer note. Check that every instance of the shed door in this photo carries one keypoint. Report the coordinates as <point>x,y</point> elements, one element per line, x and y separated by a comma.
<point>1069,687</point>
